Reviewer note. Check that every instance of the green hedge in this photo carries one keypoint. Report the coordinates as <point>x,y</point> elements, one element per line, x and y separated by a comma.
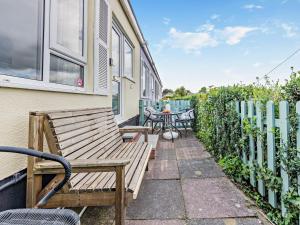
<point>219,129</point>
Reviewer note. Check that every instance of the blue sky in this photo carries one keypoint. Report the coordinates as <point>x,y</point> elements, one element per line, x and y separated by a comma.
<point>199,43</point>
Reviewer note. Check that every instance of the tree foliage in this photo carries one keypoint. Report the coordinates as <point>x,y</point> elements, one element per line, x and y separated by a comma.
<point>167,91</point>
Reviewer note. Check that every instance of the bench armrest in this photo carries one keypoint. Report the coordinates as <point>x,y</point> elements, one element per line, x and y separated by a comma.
<point>81,166</point>
<point>132,129</point>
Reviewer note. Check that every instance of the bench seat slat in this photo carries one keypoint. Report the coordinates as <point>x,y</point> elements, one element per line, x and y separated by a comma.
<point>81,175</point>
<point>129,169</point>
<point>136,180</point>
<point>133,154</point>
<point>105,181</point>
<point>119,154</point>
<point>97,177</point>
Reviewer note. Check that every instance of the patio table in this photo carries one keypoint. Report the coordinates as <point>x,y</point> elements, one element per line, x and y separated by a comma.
<point>168,122</point>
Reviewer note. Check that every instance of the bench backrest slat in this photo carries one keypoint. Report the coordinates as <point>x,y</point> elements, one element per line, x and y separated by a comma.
<point>82,134</point>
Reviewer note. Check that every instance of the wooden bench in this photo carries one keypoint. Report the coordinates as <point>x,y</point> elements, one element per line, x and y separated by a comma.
<point>105,171</point>
<point>152,139</point>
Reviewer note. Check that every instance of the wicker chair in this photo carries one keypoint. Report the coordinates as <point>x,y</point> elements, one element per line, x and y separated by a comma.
<point>185,118</point>
<point>151,115</point>
<point>38,216</point>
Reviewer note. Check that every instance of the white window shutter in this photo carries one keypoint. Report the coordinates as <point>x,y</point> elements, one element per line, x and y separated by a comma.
<point>101,47</point>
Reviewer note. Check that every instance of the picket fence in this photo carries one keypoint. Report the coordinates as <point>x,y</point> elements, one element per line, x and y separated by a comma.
<point>176,106</point>
<point>253,111</point>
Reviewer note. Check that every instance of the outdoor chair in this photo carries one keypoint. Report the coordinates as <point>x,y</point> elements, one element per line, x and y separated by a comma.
<point>185,118</point>
<point>38,216</point>
<point>152,116</point>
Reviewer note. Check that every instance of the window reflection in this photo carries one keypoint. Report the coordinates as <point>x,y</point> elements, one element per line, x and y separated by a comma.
<point>21,38</point>
<point>66,72</point>
<point>128,54</point>
<point>70,24</point>
<point>116,98</point>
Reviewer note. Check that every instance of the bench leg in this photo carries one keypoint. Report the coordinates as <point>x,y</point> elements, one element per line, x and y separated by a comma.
<point>120,196</point>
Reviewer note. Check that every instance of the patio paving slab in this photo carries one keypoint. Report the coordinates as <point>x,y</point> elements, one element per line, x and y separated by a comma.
<point>165,154</point>
<point>164,144</point>
<point>183,143</point>
<point>229,221</point>
<point>158,199</point>
<point>206,168</point>
<point>213,198</point>
<point>162,169</point>
<point>155,222</point>
<point>191,153</point>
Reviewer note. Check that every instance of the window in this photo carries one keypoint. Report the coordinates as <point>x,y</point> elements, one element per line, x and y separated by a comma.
<point>156,91</point>
<point>20,50</point>
<point>144,78</point>
<point>65,72</point>
<point>45,44</point>
<point>116,70</point>
<point>67,27</point>
<point>128,58</point>
<point>116,50</point>
<point>151,86</point>
<point>67,38</point>
<point>122,65</point>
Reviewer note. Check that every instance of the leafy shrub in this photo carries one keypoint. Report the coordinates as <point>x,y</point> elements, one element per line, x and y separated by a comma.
<point>218,126</point>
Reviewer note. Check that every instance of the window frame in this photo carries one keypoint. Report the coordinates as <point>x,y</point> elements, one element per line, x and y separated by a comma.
<point>145,69</point>
<point>126,41</point>
<point>53,34</point>
<point>45,84</point>
<point>119,32</point>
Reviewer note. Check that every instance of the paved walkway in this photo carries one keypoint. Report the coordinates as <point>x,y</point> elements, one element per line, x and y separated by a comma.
<point>184,186</point>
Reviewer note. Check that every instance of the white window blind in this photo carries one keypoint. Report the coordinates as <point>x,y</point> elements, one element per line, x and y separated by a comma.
<point>101,43</point>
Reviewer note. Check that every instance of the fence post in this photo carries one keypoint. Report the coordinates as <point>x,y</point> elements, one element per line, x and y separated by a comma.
<point>251,143</point>
<point>243,116</point>
<point>260,150</point>
<point>298,142</point>
<point>237,108</point>
<point>271,148</point>
<point>284,136</point>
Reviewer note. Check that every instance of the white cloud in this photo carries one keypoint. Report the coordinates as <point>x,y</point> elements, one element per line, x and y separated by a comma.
<point>252,7</point>
<point>234,35</point>
<point>289,29</point>
<point>166,20</point>
<point>191,41</point>
<point>214,16</point>
<point>207,27</point>
<point>203,37</point>
<point>284,28</point>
